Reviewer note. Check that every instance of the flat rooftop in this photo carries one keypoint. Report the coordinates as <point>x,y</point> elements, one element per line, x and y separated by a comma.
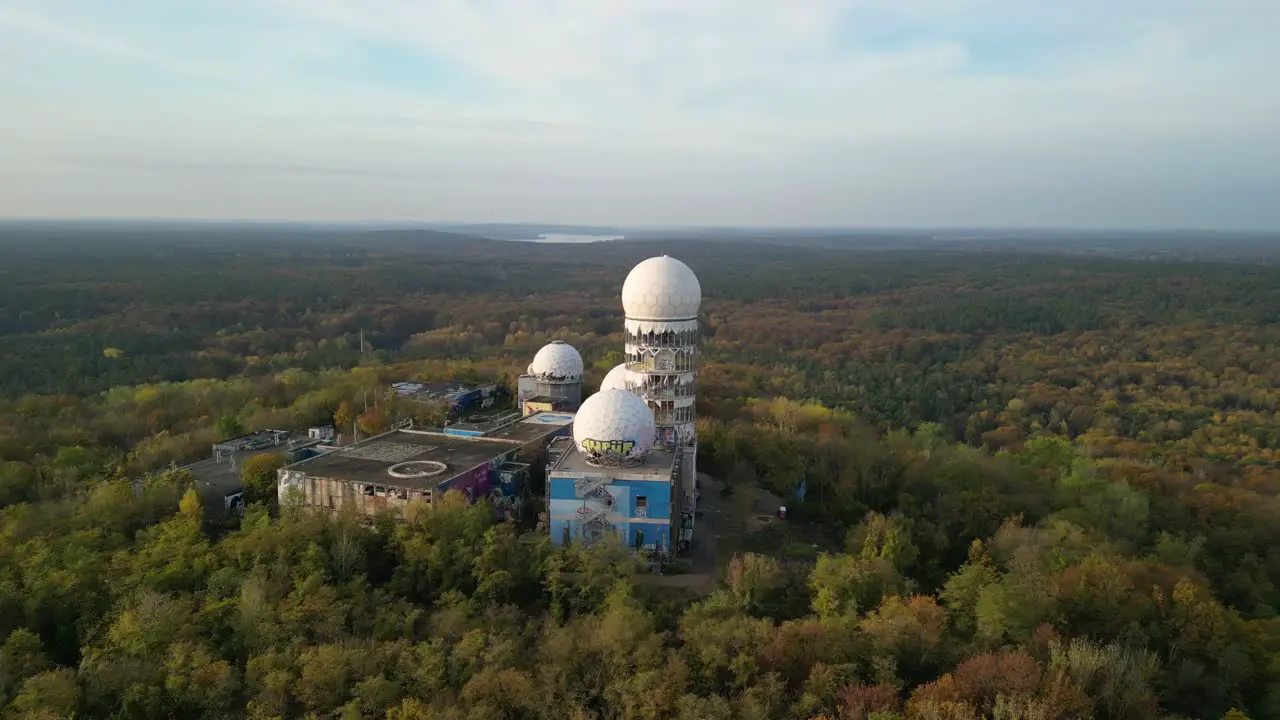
<point>656,466</point>
<point>484,423</point>
<point>448,389</point>
<point>367,461</point>
<point>222,477</point>
<point>217,479</point>
<point>534,427</point>
<point>256,440</point>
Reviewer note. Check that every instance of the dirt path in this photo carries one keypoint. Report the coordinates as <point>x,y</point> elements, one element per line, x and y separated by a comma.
<point>716,536</point>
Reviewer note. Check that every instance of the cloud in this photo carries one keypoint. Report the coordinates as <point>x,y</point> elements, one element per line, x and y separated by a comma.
<point>695,108</point>
<point>16,20</point>
<point>806,65</point>
<point>228,168</point>
<point>718,71</point>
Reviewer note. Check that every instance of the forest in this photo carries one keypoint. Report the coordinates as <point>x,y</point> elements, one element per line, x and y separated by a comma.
<point>1037,485</point>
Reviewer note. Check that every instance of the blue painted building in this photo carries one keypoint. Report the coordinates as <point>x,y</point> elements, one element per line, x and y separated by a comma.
<point>640,504</point>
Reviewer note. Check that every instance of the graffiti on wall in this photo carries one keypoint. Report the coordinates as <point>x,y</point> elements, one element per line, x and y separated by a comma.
<point>290,482</point>
<point>473,484</point>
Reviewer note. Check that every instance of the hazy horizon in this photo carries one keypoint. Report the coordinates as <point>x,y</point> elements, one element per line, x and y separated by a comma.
<point>572,229</point>
<point>822,114</point>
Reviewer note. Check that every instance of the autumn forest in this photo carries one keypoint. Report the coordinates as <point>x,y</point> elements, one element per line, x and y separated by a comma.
<point>1037,485</point>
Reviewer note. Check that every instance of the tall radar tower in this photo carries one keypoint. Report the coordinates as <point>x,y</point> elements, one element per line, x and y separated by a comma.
<point>660,299</point>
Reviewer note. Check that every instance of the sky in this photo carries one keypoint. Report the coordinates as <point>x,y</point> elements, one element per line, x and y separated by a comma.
<point>852,113</point>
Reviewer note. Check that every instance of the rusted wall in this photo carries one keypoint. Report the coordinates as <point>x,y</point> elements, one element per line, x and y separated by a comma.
<point>334,495</point>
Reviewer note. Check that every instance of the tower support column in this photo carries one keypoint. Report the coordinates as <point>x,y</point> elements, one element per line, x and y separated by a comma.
<point>662,368</point>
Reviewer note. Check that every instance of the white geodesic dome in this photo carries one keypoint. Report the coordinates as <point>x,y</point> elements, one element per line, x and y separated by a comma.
<point>613,428</point>
<point>661,288</point>
<point>557,361</point>
<point>616,379</point>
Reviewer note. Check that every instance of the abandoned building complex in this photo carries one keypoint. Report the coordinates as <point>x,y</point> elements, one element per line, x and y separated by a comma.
<point>461,398</point>
<point>217,478</point>
<point>632,468</point>
<point>384,473</point>
<point>620,463</point>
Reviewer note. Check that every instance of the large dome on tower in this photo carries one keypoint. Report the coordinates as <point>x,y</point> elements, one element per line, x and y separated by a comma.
<point>557,361</point>
<point>616,379</point>
<point>661,288</point>
<point>613,428</point>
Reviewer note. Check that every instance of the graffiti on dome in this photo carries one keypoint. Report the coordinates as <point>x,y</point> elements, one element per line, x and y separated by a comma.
<point>609,447</point>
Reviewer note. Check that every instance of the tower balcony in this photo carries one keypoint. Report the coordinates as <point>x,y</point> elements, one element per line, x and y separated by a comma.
<point>663,366</point>
<point>676,416</point>
<point>662,391</point>
<point>667,339</point>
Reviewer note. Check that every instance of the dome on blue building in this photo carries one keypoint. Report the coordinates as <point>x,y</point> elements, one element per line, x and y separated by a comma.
<point>613,428</point>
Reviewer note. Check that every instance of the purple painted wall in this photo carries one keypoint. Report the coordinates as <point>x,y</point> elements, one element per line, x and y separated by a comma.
<point>474,483</point>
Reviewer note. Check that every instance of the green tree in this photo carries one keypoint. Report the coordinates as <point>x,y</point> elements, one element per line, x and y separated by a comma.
<point>344,417</point>
<point>754,581</point>
<point>50,694</point>
<point>373,421</point>
<point>21,657</point>
<point>18,483</point>
<point>258,473</point>
<point>847,585</point>
<point>190,505</point>
<point>964,589</point>
<point>229,426</point>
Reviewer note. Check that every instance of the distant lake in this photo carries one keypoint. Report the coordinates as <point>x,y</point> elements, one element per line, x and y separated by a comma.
<point>569,238</point>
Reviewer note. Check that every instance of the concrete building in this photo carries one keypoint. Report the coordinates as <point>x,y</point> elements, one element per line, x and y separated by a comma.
<point>461,397</point>
<point>217,478</point>
<point>554,376</point>
<point>545,403</point>
<point>326,434</point>
<point>387,472</point>
<point>632,467</point>
<point>611,480</point>
<point>480,425</point>
<point>661,298</point>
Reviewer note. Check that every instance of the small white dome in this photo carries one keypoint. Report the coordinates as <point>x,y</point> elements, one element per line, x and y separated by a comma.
<point>616,379</point>
<point>661,288</point>
<point>557,361</point>
<point>613,428</point>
